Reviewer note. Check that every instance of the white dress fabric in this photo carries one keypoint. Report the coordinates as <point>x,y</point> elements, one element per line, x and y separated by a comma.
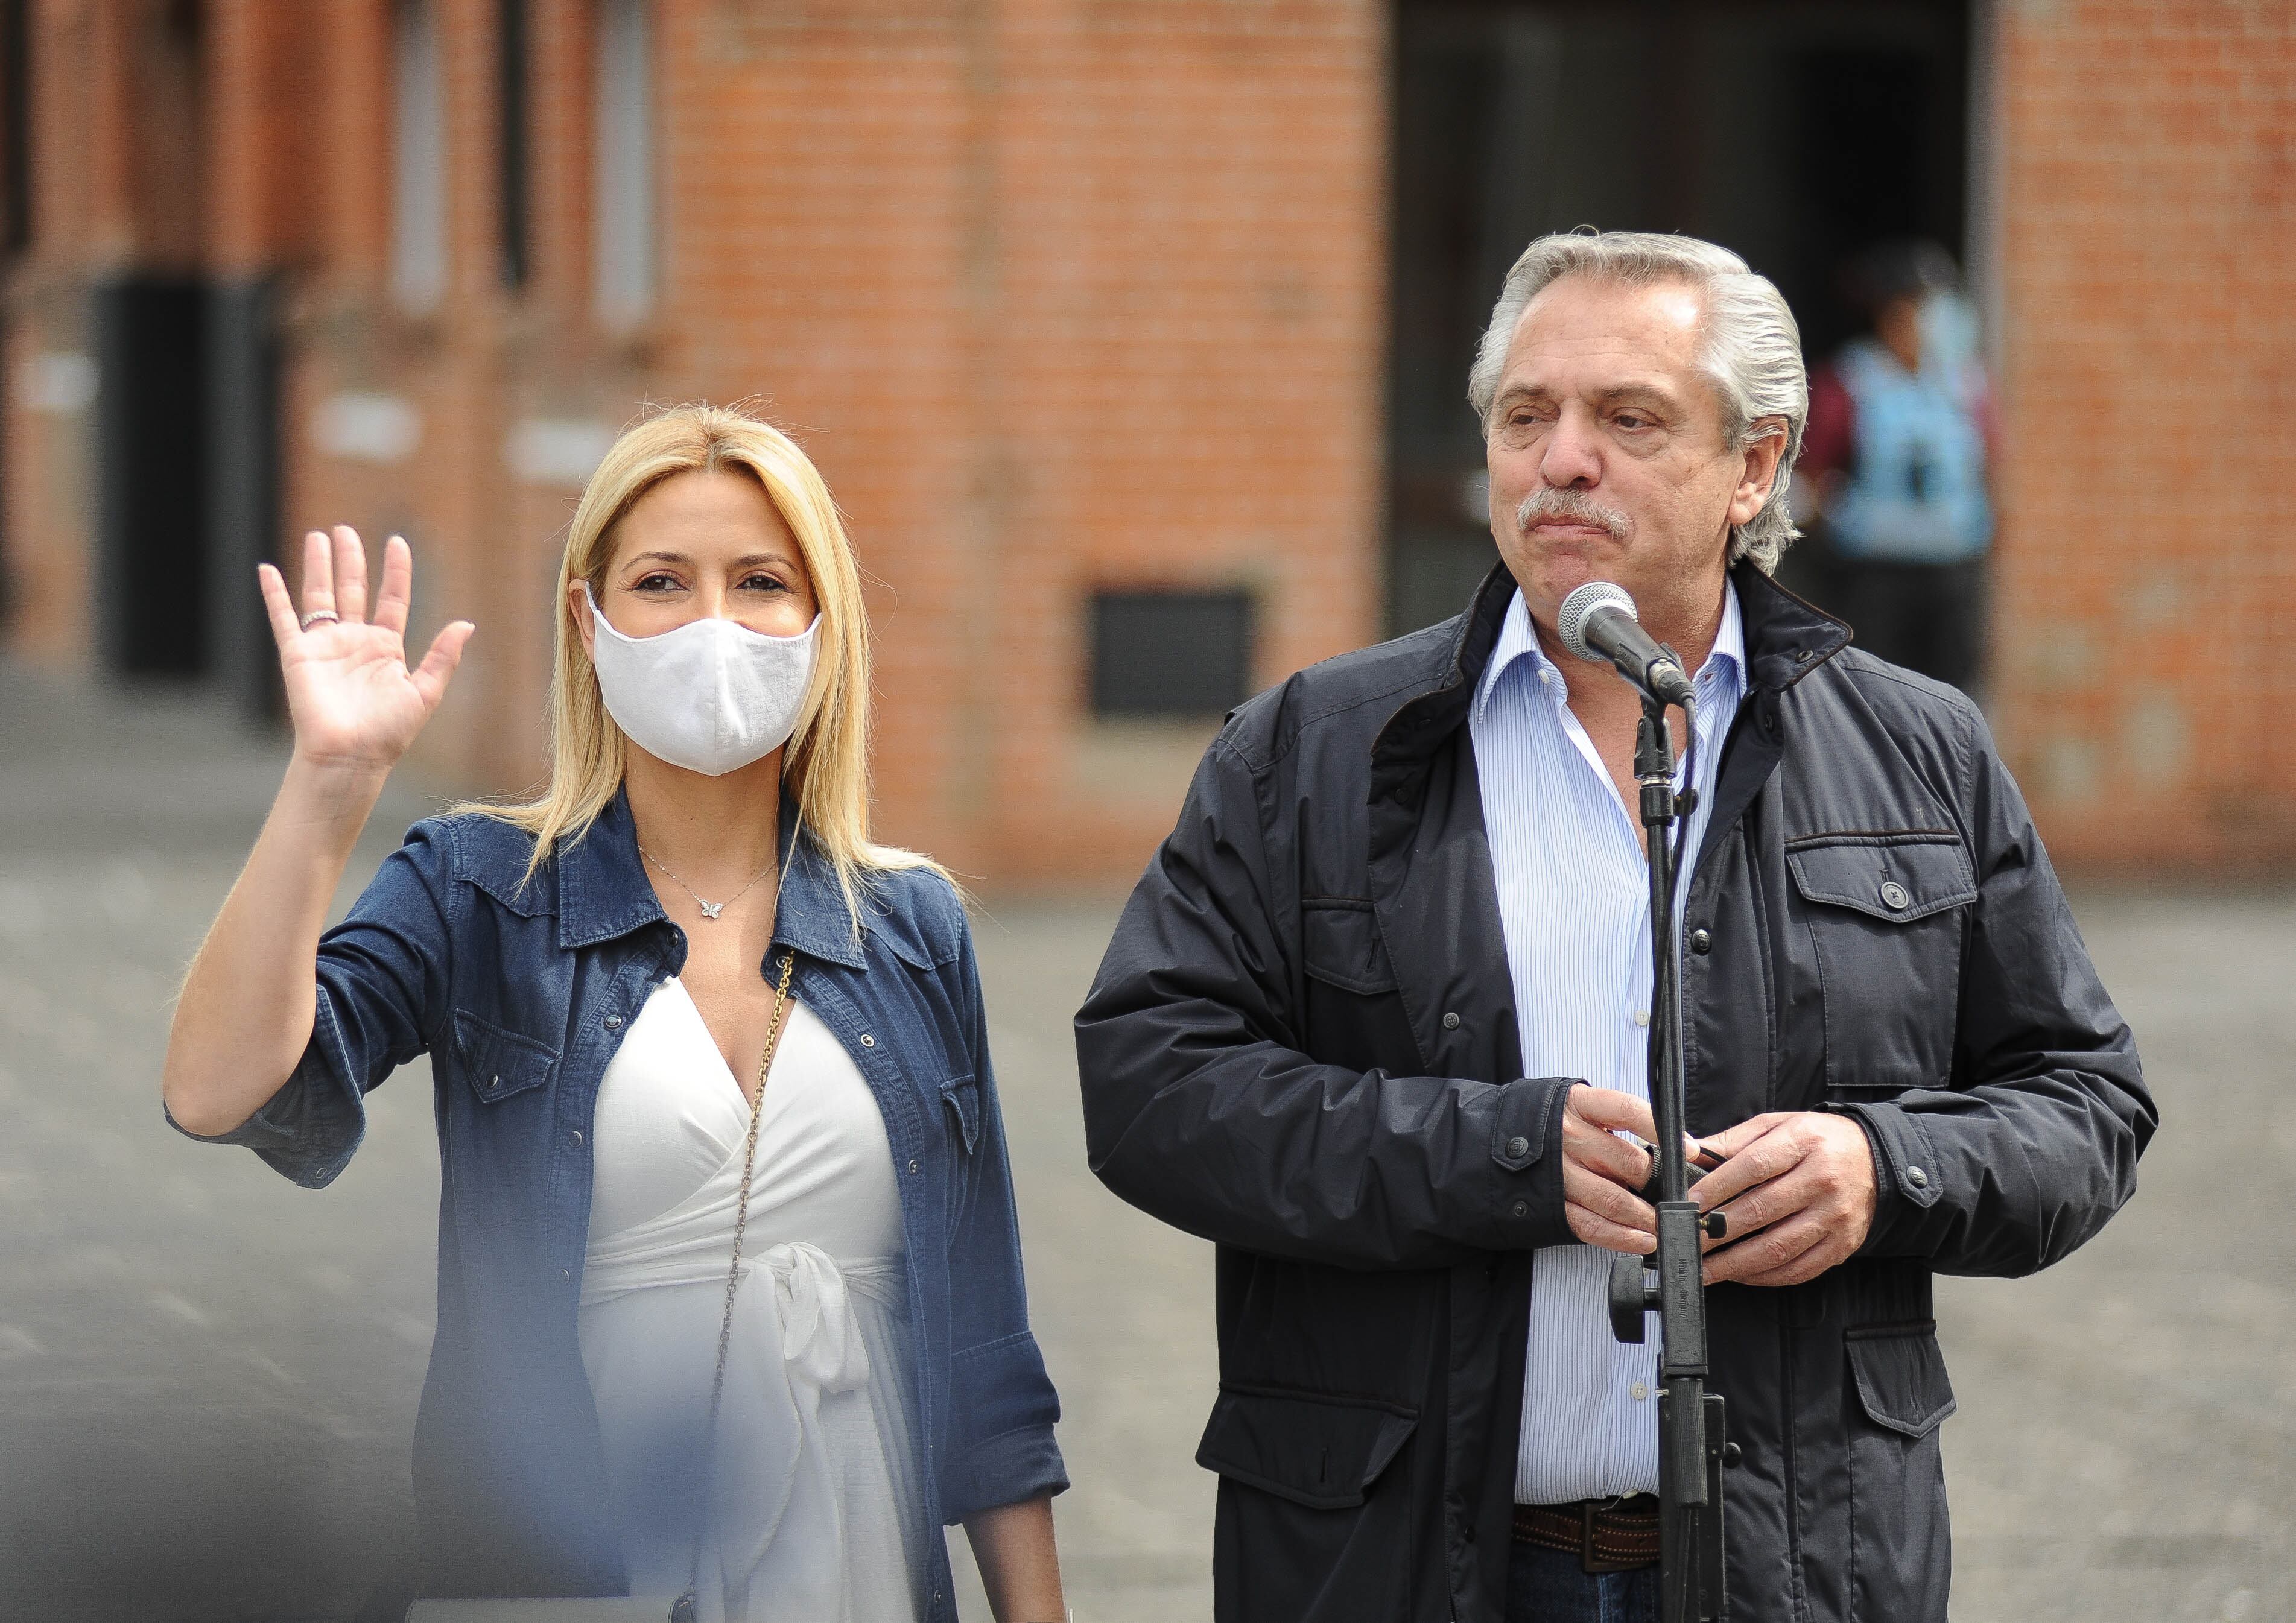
<point>815,1507</point>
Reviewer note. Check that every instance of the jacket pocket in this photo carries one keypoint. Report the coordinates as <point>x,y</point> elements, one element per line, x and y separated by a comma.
<point>1887,917</point>
<point>961,1099</point>
<point>499,1123</point>
<point>1314,1517</point>
<point>499,1064</point>
<point>1339,944</point>
<point>1900,1550</point>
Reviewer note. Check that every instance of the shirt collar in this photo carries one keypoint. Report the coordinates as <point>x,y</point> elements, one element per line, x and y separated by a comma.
<point>603,892</point>
<point>1518,639</point>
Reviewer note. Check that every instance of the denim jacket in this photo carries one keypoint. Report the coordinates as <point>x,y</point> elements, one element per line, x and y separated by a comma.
<point>521,994</point>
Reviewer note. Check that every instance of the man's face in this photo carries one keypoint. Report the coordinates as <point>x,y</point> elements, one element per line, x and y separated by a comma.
<point>1606,453</point>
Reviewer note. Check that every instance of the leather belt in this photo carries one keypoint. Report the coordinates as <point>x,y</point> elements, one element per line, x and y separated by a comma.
<point>1616,1535</point>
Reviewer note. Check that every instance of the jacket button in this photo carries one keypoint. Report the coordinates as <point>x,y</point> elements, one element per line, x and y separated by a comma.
<point>1522,1208</point>
<point>867,1041</point>
<point>1918,1178</point>
<point>494,1082</point>
<point>1700,942</point>
<point>913,1165</point>
<point>1518,1146</point>
<point>578,1135</point>
<point>1451,1021</point>
<point>1893,895</point>
<point>613,1022</point>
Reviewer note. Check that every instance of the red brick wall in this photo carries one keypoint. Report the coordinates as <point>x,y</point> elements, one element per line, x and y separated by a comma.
<point>2148,567</point>
<point>1063,293</point>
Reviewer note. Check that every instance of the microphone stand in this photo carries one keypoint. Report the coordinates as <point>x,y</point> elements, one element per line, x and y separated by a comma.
<point>1691,1444</point>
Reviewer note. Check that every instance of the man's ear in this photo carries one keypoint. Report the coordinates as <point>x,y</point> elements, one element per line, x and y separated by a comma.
<point>1766,444</point>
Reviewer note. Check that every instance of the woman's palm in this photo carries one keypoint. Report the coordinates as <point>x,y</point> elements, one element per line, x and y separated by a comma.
<point>349,693</point>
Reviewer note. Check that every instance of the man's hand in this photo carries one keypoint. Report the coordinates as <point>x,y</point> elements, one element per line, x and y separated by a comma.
<point>1602,1173</point>
<point>1798,1189</point>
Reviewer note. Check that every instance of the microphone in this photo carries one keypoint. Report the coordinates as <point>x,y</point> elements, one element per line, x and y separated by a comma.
<point>1598,622</point>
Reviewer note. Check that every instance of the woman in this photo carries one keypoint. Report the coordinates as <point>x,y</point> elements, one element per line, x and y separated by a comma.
<point>597,977</point>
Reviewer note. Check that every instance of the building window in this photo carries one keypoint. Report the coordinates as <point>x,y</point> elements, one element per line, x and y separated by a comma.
<point>510,140</point>
<point>418,165</point>
<point>1171,653</point>
<point>624,255</point>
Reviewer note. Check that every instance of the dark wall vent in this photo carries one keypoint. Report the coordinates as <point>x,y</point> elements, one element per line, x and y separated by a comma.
<point>1171,653</point>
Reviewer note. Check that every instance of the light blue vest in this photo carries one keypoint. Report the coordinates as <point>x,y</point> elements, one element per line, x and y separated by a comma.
<point>1917,490</point>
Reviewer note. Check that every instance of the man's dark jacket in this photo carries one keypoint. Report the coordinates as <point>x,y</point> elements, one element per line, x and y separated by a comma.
<point>1303,1045</point>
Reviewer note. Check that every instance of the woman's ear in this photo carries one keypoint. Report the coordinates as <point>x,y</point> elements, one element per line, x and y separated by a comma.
<point>577,598</point>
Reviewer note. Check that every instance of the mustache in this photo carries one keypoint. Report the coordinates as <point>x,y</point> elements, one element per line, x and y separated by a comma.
<point>1558,502</point>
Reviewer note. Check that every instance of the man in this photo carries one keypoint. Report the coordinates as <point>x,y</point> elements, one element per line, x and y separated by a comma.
<point>1378,1009</point>
<point>1902,452</point>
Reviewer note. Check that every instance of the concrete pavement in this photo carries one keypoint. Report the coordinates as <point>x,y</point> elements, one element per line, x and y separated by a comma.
<point>208,1377</point>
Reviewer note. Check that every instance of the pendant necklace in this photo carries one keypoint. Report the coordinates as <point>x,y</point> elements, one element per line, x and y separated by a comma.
<point>710,910</point>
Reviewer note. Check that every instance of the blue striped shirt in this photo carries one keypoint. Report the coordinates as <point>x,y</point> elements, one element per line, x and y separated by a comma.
<point>1574,903</point>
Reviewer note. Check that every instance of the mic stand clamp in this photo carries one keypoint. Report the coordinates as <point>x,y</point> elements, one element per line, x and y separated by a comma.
<point>1691,1446</point>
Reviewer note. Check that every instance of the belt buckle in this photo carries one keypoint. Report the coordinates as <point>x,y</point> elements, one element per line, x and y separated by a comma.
<point>1588,1561</point>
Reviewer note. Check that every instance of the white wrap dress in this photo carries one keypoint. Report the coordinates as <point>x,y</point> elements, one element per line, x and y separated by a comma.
<point>814,1508</point>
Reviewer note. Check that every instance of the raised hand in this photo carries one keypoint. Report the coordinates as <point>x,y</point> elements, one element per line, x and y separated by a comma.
<point>350,695</point>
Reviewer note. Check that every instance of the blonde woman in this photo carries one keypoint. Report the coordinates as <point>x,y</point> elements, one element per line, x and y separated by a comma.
<point>679,1004</point>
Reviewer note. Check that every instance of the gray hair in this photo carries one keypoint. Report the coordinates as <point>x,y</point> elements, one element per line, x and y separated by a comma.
<point>1752,347</point>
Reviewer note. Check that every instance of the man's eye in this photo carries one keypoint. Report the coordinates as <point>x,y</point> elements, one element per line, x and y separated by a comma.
<point>1631,421</point>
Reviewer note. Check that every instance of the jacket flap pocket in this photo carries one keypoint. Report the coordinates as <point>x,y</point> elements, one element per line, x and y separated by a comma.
<point>1901,1380</point>
<point>1324,1453</point>
<point>499,1062</point>
<point>1895,877</point>
<point>961,1095</point>
<point>1340,944</point>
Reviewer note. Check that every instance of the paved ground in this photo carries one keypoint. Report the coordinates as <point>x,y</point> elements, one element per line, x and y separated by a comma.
<point>208,1377</point>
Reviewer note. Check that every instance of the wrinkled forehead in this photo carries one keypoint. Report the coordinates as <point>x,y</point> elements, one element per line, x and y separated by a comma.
<point>1592,337</point>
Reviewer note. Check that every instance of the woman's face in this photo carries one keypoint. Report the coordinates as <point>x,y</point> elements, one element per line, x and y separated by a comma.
<point>701,544</point>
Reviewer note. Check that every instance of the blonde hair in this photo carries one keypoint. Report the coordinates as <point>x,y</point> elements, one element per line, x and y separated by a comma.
<point>825,764</point>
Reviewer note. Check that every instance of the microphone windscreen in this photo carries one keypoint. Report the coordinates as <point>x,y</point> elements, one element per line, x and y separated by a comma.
<point>1570,620</point>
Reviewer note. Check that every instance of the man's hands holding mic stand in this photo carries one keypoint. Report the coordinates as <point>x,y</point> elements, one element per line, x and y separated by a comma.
<point>1795,1188</point>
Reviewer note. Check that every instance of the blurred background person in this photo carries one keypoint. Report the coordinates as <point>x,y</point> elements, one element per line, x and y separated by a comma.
<point>1902,458</point>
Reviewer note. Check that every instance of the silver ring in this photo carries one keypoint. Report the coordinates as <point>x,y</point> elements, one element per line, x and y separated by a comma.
<point>316,615</point>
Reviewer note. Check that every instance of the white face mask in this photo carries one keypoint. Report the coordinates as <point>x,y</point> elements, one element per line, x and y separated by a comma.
<point>710,696</point>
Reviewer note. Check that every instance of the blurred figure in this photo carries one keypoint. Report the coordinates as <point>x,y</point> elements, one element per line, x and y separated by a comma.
<point>1901,455</point>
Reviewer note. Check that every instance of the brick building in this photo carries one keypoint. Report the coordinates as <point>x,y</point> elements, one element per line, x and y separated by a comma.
<point>1131,334</point>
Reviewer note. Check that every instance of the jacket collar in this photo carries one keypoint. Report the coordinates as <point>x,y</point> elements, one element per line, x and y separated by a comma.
<point>603,892</point>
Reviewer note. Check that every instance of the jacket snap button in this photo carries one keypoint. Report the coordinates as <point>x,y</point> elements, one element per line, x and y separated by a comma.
<point>1918,1178</point>
<point>1522,1208</point>
<point>913,1165</point>
<point>867,1041</point>
<point>494,1081</point>
<point>1451,1021</point>
<point>1518,1146</point>
<point>1700,942</point>
<point>613,1022</point>
<point>1893,895</point>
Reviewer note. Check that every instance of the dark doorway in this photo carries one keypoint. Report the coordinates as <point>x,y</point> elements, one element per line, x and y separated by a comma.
<point>1797,134</point>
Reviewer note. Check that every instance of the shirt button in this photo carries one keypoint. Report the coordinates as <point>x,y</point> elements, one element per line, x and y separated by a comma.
<point>1546,677</point>
<point>1700,942</point>
<point>613,1022</point>
<point>913,1165</point>
<point>1640,1390</point>
<point>567,1275</point>
<point>1918,1178</point>
<point>1642,1016</point>
<point>493,1082</point>
<point>867,1041</point>
<point>578,1135</point>
<point>1518,1146</point>
<point>1451,1021</point>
